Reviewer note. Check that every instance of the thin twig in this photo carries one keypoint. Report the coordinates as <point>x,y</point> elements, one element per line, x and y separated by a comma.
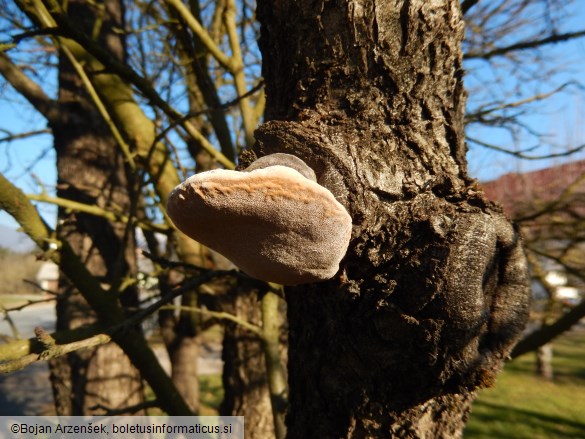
<point>10,137</point>
<point>125,72</point>
<point>225,106</point>
<point>567,193</point>
<point>203,35</point>
<point>238,71</point>
<point>52,350</point>
<point>167,298</point>
<point>166,263</point>
<point>500,51</point>
<point>8,318</point>
<point>29,303</point>
<point>94,210</point>
<point>100,107</point>
<point>522,155</point>
<point>219,315</point>
<point>515,104</point>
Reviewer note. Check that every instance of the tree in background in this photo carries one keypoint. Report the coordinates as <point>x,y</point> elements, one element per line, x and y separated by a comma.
<point>146,155</point>
<point>517,65</point>
<point>91,170</point>
<point>17,266</point>
<point>430,298</point>
<point>516,61</point>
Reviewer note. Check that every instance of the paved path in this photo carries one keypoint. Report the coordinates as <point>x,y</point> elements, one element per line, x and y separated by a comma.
<point>27,392</point>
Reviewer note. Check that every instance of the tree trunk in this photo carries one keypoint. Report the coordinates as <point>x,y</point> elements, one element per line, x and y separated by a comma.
<point>544,366</point>
<point>244,373</point>
<point>432,293</point>
<point>91,170</point>
<point>180,336</point>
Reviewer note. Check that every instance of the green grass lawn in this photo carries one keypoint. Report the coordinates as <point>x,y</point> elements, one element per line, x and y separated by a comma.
<point>522,405</point>
<point>211,394</point>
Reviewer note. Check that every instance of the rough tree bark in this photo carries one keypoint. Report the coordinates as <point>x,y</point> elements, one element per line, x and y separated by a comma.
<point>91,170</point>
<point>432,293</point>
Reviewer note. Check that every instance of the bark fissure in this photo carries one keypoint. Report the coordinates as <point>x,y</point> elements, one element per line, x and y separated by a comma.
<point>404,24</point>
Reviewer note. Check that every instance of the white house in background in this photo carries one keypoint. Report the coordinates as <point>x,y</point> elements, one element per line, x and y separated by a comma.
<point>566,294</point>
<point>48,276</point>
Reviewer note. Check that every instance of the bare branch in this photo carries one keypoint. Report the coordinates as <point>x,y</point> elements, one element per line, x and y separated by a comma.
<point>199,81</point>
<point>538,97</point>
<point>203,36</point>
<point>567,193</point>
<point>167,298</point>
<point>8,318</point>
<point>21,353</point>
<point>522,155</point>
<point>101,107</point>
<point>52,350</point>
<point>92,209</point>
<point>225,106</point>
<point>127,73</point>
<point>559,261</point>
<point>106,305</point>
<point>28,88</point>
<point>219,315</point>
<point>547,333</point>
<point>500,51</point>
<point>466,5</point>
<point>10,136</point>
<point>18,348</point>
<point>28,302</point>
<point>238,72</point>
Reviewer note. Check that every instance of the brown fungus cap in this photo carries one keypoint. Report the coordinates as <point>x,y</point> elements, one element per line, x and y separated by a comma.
<point>272,222</point>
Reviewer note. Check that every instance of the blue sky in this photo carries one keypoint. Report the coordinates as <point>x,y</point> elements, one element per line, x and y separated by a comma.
<point>561,119</point>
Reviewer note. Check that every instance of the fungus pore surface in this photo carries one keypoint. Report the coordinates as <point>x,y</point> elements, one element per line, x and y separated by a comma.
<point>272,222</point>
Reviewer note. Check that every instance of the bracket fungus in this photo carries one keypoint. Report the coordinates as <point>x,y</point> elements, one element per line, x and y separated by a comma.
<point>273,220</point>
